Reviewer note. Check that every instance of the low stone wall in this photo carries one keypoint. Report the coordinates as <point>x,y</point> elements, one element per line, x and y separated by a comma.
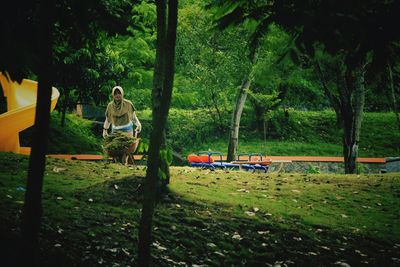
<point>322,167</point>
<point>393,164</point>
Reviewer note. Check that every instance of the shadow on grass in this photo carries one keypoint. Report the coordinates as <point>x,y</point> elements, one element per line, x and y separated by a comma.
<point>98,226</point>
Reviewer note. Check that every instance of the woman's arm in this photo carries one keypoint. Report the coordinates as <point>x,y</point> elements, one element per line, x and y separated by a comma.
<point>136,121</point>
<point>106,126</point>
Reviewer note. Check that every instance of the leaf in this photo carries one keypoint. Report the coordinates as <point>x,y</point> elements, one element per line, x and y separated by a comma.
<point>158,246</point>
<point>219,253</point>
<point>57,169</point>
<point>243,190</point>
<point>126,252</point>
<point>169,156</point>
<point>236,236</point>
<point>342,264</point>
<point>162,174</point>
<point>211,245</point>
<point>250,213</point>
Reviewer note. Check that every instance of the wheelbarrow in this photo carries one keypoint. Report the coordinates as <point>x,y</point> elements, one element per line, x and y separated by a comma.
<point>125,156</point>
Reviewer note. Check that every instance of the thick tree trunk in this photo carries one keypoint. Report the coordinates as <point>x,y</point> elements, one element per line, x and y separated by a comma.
<point>352,116</point>
<point>349,107</point>
<point>160,115</point>
<point>158,80</point>
<point>32,209</point>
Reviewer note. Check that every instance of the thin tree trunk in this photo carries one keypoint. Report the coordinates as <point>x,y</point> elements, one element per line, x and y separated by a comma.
<point>235,122</point>
<point>164,165</point>
<point>64,107</point>
<point>32,209</point>
<point>395,105</point>
<point>161,115</point>
<point>237,113</point>
<point>334,101</point>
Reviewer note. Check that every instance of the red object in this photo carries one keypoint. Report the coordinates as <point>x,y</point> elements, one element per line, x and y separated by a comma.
<point>198,159</point>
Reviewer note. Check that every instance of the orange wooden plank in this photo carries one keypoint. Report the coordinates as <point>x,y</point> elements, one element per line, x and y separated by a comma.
<point>85,156</point>
<point>312,159</point>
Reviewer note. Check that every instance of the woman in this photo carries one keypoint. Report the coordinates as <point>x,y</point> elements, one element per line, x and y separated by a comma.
<point>120,114</point>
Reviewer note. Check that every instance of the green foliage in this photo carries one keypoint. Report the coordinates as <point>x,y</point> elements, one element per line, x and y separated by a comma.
<point>188,127</point>
<point>288,133</point>
<point>166,156</point>
<point>210,64</point>
<point>313,169</point>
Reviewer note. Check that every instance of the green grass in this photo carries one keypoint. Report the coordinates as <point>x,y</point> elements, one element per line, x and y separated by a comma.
<point>211,218</point>
<point>272,148</point>
<point>76,137</point>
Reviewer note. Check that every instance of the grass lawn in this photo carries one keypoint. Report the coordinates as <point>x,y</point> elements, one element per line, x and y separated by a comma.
<point>210,218</point>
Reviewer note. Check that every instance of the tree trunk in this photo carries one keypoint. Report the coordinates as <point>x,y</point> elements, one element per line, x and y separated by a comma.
<point>161,106</point>
<point>159,78</point>
<point>395,105</point>
<point>352,116</point>
<point>333,100</point>
<point>237,114</point>
<point>235,122</point>
<point>164,165</point>
<point>349,108</point>
<point>64,107</point>
<point>32,209</point>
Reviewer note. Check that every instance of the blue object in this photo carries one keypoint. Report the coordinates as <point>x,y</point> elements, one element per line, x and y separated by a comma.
<point>225,165</point>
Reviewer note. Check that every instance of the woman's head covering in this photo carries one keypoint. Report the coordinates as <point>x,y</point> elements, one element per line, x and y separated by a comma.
<point>119,88</point>
<point>119,112</point>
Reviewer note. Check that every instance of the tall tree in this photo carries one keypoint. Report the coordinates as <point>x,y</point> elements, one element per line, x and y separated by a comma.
<point>237,112</point>
<point>32,209</point>
<point>167,16</point>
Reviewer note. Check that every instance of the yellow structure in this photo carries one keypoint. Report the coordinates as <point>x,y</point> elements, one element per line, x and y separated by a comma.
<point>20,115</point>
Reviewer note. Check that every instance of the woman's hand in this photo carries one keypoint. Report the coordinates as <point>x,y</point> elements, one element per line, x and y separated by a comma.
<point>105,133</point>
